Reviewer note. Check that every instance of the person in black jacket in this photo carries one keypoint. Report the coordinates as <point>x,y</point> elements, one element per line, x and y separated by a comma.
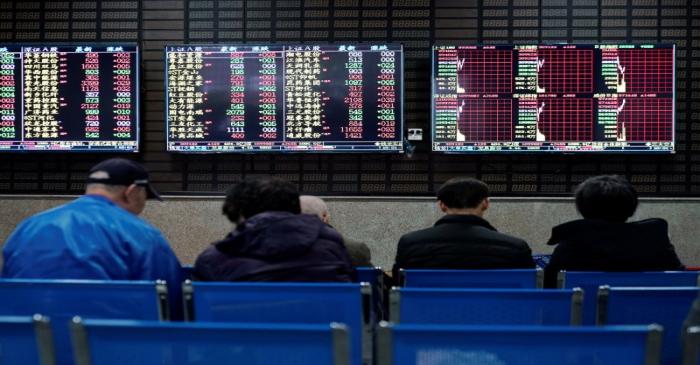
<point>602,241</point>
<point>272,241</point>
<point>462,239</point>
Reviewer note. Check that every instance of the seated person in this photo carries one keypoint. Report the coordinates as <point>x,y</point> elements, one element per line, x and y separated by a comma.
<point>97,236</point>
<point>359,252</point>
<point>602,241</point>
<point>462,239</point>
<point>272,241</point>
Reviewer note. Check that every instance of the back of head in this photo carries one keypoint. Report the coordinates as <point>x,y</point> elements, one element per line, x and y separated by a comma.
<point>607,197</point>
<point>313,205</point>
<point>462,193</point>
<point>256,195</point>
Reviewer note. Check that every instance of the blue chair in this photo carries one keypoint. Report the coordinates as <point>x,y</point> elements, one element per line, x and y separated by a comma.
<point>691,346</point>
<point>322,303</point>
<point>119,342</point>
<point>486,306</point>
<point>63,299</point>
<point>375,277</point>
<point>516,278</point>
<point>590,281</point>
<point>26,341</point>
<point>667,307</point>
<point>518,345</point>
<point>187,272</point>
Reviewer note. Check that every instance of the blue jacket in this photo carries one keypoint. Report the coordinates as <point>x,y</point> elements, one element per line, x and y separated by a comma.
<point>92,238</point>
<point>277,246</point>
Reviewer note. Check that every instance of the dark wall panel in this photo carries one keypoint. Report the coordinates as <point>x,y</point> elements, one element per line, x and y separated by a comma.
<point>415,23</point>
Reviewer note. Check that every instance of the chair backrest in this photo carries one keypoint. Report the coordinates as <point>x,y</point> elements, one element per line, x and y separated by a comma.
<point>118,342</point>
<point>60,300</point>
<point>590,281</point>
<point>322,303</point>
<point>691,346</point>
<point>486,306</point>
<point>512,278</point>
<point>667,307</point>
<point>522,345</point>
<point>26,340</point>
<point>375,277</point>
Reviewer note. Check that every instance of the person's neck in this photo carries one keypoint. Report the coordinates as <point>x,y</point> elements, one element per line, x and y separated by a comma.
<point>470,211</point>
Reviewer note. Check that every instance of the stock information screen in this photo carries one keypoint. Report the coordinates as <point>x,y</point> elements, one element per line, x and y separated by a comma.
<point>561,98</point>
<point>69,98</point>
<point>340,98</point>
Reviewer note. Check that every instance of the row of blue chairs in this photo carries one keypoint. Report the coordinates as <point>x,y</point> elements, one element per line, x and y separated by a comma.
<point>116,342</point>
<point>250,302</point>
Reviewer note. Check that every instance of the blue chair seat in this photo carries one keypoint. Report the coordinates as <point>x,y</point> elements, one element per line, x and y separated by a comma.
<point>320,303</point>
<point>590,281</point>
<point>60,300</point>
<point>667,307</point>
<point>119,342</point>
<point>26,340</point>
<point>518,345</point>
<point>486,306</point>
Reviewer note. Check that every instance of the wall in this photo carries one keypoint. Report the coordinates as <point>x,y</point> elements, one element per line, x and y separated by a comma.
<point>417,24</point>
<point>190,224</point>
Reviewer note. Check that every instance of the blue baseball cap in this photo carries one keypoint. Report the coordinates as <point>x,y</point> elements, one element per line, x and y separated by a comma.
<point>120,171</point>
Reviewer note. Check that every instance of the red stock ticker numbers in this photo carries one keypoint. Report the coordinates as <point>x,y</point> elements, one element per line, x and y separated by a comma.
<point>277,98</point>
<point>69,98</point>
<point>556,98</point>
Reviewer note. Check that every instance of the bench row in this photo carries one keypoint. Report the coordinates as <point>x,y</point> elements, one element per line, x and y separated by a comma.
<point>116,342</point>
<point>344,303</point>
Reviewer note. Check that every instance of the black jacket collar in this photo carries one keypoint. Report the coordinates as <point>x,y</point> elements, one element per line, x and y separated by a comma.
<point>465,219</point>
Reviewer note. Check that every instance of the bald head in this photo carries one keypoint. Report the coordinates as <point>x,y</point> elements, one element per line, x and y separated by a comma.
<point>314,205</point>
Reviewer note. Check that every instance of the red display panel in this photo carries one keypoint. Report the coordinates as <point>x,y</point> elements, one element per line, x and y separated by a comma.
<point>566,98</point>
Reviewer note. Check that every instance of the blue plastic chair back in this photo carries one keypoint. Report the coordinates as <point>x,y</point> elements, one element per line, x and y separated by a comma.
<point>375,277</point>
<point>590,281</point>
<point>665,306</point>
<point>187,272</point>
<point>60,300</point>
<point>110,342</point>
<point>516,278</point>
<point>518,345</point>
<point>486,306</point>
<point>26,341</point>
<point>320,303</point>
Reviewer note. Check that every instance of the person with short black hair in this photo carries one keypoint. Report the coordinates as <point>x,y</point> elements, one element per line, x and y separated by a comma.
<point>602,240</point>
<point>462,239</point>
<point>272,241</point>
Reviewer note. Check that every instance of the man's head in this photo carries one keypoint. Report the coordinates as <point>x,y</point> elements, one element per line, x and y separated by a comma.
<point>316,206</point>
<point>122,181</point>
<point>463,195</point>
<point>607,197</point>
<point>256,195</point>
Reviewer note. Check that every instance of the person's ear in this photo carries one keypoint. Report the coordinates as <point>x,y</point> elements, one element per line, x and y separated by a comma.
<point>485,204</point>
<point>326,217</point>
<point>442,206</point>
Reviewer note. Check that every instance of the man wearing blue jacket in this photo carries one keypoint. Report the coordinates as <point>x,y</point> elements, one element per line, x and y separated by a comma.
<point>97,236</point>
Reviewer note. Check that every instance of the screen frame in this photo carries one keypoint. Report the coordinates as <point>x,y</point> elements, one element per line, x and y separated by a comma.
<point>138,93</point>
<point>672,151</point>
<point>401,130</point>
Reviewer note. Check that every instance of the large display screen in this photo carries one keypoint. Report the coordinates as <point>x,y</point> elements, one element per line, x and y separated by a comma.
<point>342,98</point>
<point>556,98</point>
<point>69,98</point>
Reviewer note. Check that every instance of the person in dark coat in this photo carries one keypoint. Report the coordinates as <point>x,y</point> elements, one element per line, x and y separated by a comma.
<point>462,239</point>
<point>602,240</point>
<point>272,241</point>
